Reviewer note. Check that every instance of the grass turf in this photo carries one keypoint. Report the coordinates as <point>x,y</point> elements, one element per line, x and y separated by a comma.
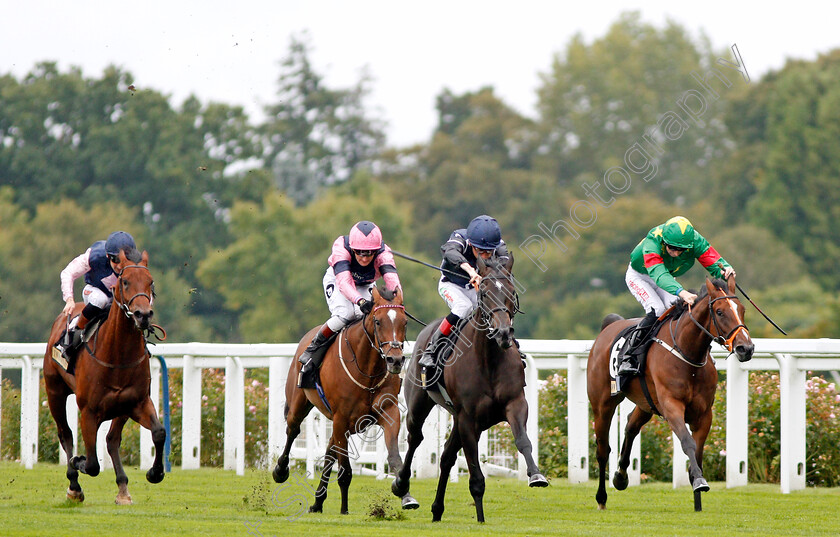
<point>217,502</point>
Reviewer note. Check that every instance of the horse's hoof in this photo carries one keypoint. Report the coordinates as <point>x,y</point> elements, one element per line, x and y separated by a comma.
<point>620,481</point>
<point>315,509</point>
<point>408,502</point>
<point>537,480</point>
<point>280,475</point>
<point>700,485</point>
<point>123,500</point>
<point>154,475</point>
<point>75,495</point>
<point>602,507</point>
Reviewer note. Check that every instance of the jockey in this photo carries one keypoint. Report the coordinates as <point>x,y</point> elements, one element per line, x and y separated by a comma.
<point>357,261</point>
<point>482,238</point>
<point>100,265</point>
<point>669,250</point>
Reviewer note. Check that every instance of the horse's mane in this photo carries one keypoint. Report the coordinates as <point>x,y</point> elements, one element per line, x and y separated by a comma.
<point>680,306</point>
<point>388,295</point>
<point>133,255</point>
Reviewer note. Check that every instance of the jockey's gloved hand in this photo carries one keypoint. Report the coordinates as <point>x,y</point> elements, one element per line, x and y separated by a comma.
<point>365,305</point>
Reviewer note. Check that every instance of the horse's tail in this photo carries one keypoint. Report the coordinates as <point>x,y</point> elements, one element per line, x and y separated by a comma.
<point>610,319</point>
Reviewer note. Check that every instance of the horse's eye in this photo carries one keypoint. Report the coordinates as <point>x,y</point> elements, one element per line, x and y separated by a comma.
<point>719,313</point>
<point>376,322</point>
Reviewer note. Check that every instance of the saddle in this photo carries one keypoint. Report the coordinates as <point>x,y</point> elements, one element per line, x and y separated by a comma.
<point>627,346</point>
<point>312,379</point>
<point>80,338</point>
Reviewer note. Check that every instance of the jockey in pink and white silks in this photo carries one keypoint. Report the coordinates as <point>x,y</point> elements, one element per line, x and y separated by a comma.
<point>357,261</point>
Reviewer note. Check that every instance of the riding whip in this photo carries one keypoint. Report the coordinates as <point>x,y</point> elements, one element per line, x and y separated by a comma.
<point>426,264</point>
<point>756,307</point>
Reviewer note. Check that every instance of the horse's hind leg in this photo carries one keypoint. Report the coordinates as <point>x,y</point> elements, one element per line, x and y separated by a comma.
<point>603,408</point>
<point>112,441</point>
<point>147,417</point>
<point>57,400</point>
<point>517,416</point>
<point>635,423</point>
<point>295,412</point>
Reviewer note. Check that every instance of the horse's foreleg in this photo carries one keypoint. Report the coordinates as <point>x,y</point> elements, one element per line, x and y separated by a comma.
<point>113,441</point>
<point>674,412</point>
<point>147,417</point>
<point>295,413</point>
<point>700,429</point>
<point>89,425</point>
<point>469,442</point>
<point>419,406</point>
<point>58,408</point>
<point>389,420</point>
<point>332,455</point>
<point>635,423</point>
<point>447,461</point>
<point>516,414</point>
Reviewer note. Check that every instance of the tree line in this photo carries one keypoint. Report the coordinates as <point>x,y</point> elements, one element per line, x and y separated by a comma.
<point>238,216</point>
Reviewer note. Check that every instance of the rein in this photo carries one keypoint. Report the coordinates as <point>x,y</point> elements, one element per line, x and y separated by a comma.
<point>125,308</point>
<point>375,346</point>
<point>725,342</point>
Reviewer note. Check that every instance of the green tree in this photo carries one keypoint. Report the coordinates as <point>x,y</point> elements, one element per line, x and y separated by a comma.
<point>317,136</point>
<point>599,99</point>
<point>795,162</point>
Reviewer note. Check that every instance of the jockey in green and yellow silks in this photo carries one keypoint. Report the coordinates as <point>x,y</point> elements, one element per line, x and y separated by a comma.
<point>668,250</point>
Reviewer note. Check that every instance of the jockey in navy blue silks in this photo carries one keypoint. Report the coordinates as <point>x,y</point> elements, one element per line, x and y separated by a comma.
<point>100,265</point>
<point>482,238</point>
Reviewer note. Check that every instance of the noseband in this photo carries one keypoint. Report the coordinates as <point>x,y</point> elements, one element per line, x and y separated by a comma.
<point>727,341</point>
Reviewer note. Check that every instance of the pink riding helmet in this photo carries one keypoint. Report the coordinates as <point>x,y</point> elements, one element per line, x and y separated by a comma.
<point>365,235</point>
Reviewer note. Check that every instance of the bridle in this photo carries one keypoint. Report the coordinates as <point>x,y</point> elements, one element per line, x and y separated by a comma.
<point>726,341</point>
<point>126,306</point>
<point>377,346</point>
<point>487,313</point>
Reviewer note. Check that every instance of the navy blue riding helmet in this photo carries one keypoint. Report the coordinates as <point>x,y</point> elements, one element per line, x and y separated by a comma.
<point>484,233</point>
<point>117,241</point>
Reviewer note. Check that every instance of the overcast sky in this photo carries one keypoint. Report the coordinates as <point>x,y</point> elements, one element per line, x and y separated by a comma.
<point>229,51</point>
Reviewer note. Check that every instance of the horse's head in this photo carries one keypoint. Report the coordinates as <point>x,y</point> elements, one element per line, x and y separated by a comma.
<point>388,320</point>
<point>135,289</point>
<point>497,299</point>
<point>727,319</point>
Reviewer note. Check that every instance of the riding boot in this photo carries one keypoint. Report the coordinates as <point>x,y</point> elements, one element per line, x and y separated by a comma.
<point>310,362</point>
<point>429,359</point>
<point>630,362</point>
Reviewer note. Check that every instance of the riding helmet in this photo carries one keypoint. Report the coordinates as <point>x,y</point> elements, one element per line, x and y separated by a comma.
<point>484,233</point>
<point>678,232</point>
<point>365,235</point>
<point>119,240</point>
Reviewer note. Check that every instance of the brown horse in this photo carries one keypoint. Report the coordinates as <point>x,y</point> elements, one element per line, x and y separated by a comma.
<point>111,380</point>
<point>679,377</point>
<point>361,386</point>
<point>485,380</point>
